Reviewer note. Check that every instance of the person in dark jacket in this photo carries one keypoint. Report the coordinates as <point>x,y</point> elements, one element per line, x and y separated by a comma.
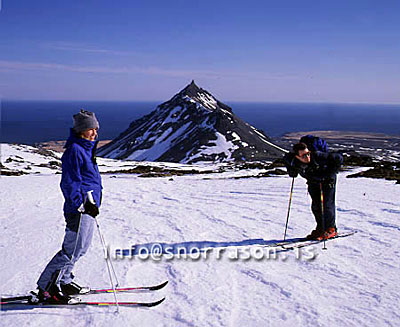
<point>80,176</point>
<point>320,170</point>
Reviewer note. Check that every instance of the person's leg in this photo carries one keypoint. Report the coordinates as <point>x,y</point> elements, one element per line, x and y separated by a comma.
<point>82,243</point>
<point>57,265</point>
<point>315,193</point>
<point>54,269</point>
<point>329,205</point>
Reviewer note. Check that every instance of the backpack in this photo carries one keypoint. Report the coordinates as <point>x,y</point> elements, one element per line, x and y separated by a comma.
<point>314,143</point>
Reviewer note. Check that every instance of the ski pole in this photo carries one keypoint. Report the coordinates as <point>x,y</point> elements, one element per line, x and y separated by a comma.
<point>323,215</point>
<point>106,257</point>
<point>107,264</point>
<point>290,201</point>
<point>90,197</point>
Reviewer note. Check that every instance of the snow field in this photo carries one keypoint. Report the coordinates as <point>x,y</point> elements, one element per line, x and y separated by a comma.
<point>353,283</point>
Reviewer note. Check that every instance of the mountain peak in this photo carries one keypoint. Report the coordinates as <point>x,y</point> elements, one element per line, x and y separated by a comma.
<point>192,89</point>
<point>193,126</point>
<point>200,96</point>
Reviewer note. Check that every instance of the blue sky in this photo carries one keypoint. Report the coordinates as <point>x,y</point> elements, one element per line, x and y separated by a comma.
<point>285,51</point>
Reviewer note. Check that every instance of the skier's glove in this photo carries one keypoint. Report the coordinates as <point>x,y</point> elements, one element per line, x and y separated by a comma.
<point>91,209</point>
<point>290,163</point>
<point>293,172</point>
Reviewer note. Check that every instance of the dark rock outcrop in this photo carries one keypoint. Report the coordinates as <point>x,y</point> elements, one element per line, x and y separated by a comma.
<point>387,170</point>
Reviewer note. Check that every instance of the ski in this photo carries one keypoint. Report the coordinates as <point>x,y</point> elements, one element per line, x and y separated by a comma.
<point>137,289</point>
<point>299,243</point>
<point>294,242</point>
<point>16,304</point>
<point>16,299</point>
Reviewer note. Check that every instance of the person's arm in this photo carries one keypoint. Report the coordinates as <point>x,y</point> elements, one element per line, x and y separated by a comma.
<point>334,162</point>
<point>71,181</point>
<point>290,163</point>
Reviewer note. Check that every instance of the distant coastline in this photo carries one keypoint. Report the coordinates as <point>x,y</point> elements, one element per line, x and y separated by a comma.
<point>376,145</point>
<point>343,135</point>
<point>59,145</point>
<point>30,122</point>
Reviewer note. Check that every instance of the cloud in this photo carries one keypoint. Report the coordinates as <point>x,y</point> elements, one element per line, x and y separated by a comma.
<point>65,46</point>
<point>156,71</point>
<point>19,65</point>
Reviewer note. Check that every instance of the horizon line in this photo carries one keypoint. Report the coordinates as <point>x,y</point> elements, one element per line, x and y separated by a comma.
<point>225,101</point>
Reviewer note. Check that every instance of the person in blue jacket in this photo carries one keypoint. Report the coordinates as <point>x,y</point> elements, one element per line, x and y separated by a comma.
<point>320,170</point>
<point>80,175</point>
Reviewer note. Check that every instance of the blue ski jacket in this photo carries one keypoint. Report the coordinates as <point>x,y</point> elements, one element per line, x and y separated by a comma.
<point>80,173</point>
<point>322,168</point>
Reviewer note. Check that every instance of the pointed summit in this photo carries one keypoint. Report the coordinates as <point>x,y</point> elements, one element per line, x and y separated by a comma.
<point>196,94</point>
<point>192,89</point>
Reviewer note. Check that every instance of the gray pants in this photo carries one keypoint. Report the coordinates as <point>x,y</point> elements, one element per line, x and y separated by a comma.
<point>78,236</point>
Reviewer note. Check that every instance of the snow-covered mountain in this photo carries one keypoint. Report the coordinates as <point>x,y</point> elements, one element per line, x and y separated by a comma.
<point>193,126</point>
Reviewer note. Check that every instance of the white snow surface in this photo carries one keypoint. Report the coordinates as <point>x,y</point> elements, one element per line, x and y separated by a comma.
<point>205,100</point>
<point>218,146</point>
<point>353,283</point>
<point>26,159</point>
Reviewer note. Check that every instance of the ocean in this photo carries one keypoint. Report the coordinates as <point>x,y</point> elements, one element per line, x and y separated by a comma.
<point>30,122</point>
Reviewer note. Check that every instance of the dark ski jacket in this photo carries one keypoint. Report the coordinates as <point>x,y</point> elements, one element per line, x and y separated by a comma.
<point>322,168</point>
<point>80,173</point>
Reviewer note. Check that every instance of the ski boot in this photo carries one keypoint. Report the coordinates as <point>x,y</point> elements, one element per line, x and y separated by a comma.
<point>74,289</point>
<point>53,296</point>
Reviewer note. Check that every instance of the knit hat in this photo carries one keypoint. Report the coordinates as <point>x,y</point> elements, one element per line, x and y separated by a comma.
<point>85,120</point>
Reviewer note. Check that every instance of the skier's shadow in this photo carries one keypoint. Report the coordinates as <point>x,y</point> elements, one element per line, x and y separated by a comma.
<point>36,309</point>
<point>192,247</point>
